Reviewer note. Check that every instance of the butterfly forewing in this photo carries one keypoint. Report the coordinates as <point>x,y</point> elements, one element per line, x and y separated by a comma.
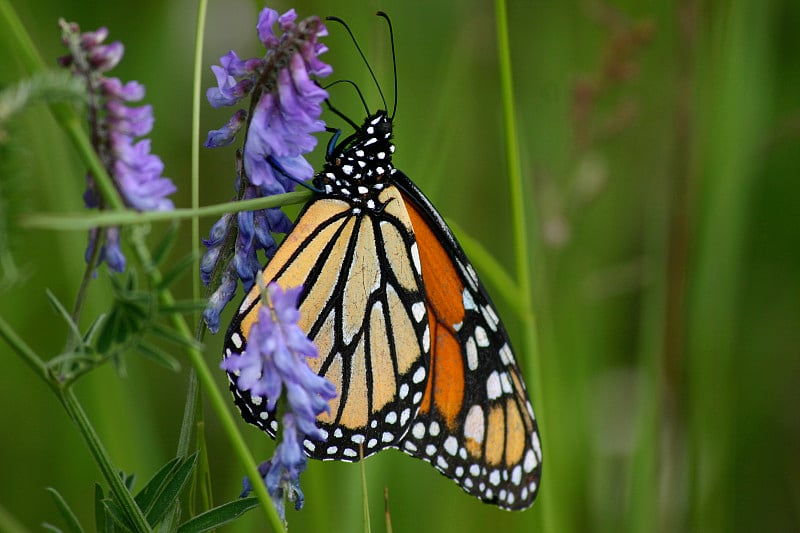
<point>360,306</point>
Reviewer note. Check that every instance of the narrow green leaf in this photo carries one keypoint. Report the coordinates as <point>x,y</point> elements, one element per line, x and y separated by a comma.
<point>115,512</point>
<point>91,332</point>
<point>150,491</point>
<point>175,337</point>
<point>129,480</point>
<point>69,517</point>
<point>183,307</point>
<point>62,311</point>
<point>158,356</point>
<point>51,527</point>
<point>172,489</point>
<point>165,245</point>
<point>108,332</point>
<point>218,516</point>
<point>101,519</point>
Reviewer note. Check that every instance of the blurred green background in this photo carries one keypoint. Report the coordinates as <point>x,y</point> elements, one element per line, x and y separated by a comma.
<point>661,153</point>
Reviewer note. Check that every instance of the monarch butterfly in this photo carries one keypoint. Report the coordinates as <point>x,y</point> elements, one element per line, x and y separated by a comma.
<point>404,329</point>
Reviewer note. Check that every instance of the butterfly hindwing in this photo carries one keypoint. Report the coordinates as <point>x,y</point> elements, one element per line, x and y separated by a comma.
<point>475,424</point>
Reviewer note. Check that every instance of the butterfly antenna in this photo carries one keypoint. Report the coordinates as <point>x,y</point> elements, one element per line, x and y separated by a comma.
<point>361,53</point>
<point>394,58</point>
<point>340,114</point>
<point>360,94</point>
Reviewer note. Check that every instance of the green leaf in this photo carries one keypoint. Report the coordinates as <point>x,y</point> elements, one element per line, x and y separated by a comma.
<point>170,334</point>
<point>102,521</point>
<point>183,307</point>
<point>158,356</point>
<point>218,516</point>
<point>129,480</point>
<point>116,512</point>
<point>61,310</point>
<point>93,329</point>
<point>161,492</point>
<point>51,527</point>
<point>150,491</point>
<point>73,525</point>
<point>172,488</point>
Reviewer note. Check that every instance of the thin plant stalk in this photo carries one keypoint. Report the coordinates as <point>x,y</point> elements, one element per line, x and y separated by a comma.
<point>521,239</point>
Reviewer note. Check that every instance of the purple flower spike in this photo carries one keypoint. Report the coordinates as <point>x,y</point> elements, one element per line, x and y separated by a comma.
<point>275,362</point>
<point>284,114</point>
<point>115,127</point>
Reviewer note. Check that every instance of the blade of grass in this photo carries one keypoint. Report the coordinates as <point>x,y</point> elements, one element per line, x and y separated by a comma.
<point>522,244</point>
<point>736,70</point>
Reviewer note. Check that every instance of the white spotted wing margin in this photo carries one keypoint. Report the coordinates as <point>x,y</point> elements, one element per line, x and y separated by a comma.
<point>490,446</point>
<point>361,307</point>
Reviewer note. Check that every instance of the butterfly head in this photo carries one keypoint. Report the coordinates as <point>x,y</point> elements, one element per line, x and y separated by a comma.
<point>360,165</point>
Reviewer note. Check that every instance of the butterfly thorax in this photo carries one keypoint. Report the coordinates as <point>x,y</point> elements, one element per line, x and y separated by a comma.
<point>360,167</point>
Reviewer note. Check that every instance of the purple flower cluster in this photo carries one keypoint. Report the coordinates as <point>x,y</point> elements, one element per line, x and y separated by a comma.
<point>274,362</point>
<point>114,127</point>
<point>285,106</point>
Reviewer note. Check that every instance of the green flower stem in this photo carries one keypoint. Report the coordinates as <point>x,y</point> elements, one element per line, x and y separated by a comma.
<point>25,352</point>
<point>85,221</point>
<point>218,403</point>
<point>98,451</point>
<point>521,239</point>
<point>78,416</point>
<point>197,85</point>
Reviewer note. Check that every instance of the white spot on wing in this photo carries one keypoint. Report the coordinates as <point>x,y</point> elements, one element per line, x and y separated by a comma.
<point>403,391</point>
<point>415,258</point>
<point>473,424</point>
<point>493,387</point>
<point>472,354</point>
<point>236,339</point>
<point>481,337</point>
<point>516,475</point>
<point>469,301</point>
<point>451,445</point>
<point>418,309</point>
<point>530,462</point>
<point>419,375</point>
<point>505,354</point>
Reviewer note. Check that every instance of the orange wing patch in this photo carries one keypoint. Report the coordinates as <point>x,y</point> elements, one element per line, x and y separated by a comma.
<point>445,310</point>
